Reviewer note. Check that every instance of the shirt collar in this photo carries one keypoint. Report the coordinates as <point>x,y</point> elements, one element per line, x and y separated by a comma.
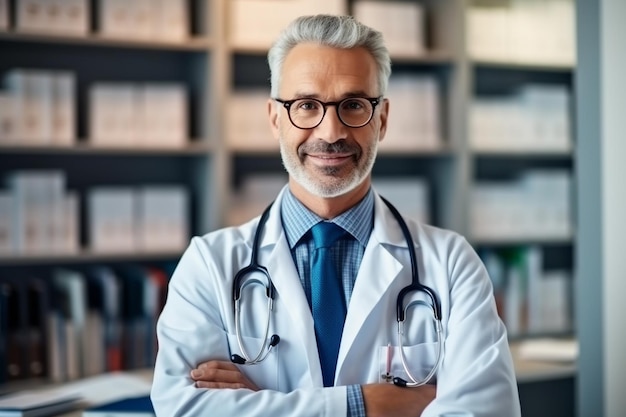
<point>297,219</point>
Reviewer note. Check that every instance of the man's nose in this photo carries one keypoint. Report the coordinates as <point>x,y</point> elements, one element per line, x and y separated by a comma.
<point>331,129</point>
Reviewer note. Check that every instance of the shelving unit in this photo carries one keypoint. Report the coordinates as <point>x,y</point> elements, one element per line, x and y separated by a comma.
<point>214,70</point>
<point>194,165</point>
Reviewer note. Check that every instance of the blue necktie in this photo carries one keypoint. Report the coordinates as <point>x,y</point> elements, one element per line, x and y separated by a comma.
<point>327,298</point>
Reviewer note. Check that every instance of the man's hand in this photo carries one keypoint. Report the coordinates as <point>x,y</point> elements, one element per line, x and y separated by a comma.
<point>387,400</point>
<point>381,400</point>
<point>221,374</point>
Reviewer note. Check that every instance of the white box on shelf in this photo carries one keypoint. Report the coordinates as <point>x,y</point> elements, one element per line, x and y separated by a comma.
<point>524,31</point>
<point>54,188</point>
<point>4,15</point>
<point>142,20</point>
<point>74,17</point>
<point>555,302</point>
<point>257,23</point>
<point>489,34</point>
<point>111,219</point>
<point>253,196</point>
<point>163,213</point>
<point>563,40</point>
<point>27,222</point>
<point>114,18</point>
<point>8,117</point>
<point>410,195</point>
<point>543,31</point>
<point>113,114</point>
<point>72,222</point>
<point>6,222</point>
<point>66,236</point>
<point>479,124</point>
<point>34,193</point>
<point>32,92</point>
<point>527,28</point>
<point>171,20</point>
<point>401,23</point>
<point>247,126</point>
<point>548,114</point>
<point>495,209</point>
<point>414,118</point>
<point>505,123</point>
<point>549,198</point>
<point>32,16</point>
<point>164,115</point>
<point>63,123</point>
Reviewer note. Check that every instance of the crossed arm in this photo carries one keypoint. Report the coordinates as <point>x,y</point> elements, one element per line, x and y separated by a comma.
<point>380,399</point>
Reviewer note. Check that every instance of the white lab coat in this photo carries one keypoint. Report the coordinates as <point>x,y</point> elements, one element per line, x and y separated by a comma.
<point>476,377</point>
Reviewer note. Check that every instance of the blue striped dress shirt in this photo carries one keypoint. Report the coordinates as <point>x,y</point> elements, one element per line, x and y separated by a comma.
<point>358,221</point>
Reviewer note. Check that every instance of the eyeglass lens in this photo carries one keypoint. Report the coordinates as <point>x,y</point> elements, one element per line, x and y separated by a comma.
<point>307,113</point>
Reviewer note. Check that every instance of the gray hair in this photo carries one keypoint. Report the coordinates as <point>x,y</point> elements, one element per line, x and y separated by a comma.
<point>343,32</point>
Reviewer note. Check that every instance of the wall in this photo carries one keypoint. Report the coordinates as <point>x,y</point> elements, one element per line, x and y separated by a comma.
<point>601,285</point>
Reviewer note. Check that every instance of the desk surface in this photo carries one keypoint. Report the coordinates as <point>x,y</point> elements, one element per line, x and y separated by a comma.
<point>527,371</point>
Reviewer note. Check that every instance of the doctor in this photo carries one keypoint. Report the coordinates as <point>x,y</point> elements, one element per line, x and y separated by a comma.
<point>328,112</point>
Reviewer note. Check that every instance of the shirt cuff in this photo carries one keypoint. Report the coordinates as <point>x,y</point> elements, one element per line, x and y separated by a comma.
<point>356,404</point>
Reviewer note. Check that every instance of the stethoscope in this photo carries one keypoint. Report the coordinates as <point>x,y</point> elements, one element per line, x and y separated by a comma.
<point>241,281</point>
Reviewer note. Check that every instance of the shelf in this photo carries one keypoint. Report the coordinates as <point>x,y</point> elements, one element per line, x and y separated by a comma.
<point>436,57</point>
<point>87,256</point>
<point>193,44</point>
<point>214,170</point>
<point>523,153</point>
<point>522,65</point>
<point>83,147</point>
<point>433,57</point>
<point>442,151</point>
<point>261,151</point>
<point>522,241</point>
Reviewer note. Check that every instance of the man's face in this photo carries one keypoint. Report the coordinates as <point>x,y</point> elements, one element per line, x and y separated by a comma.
<point>331,159</point>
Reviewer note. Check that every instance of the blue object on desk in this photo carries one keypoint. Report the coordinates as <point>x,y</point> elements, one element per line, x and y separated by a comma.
<point>127,407</point>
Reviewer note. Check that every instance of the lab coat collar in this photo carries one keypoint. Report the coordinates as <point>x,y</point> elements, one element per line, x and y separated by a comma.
<point>379,268</point>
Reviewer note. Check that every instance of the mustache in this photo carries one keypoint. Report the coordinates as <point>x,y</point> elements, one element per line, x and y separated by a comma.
<point>341,146</point>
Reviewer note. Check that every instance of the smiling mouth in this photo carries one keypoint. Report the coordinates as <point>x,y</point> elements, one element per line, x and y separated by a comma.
<point>330,159</point>
<point>329,155</point>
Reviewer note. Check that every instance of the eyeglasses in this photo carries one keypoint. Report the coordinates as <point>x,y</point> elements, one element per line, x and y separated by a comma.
<point>308,113</point>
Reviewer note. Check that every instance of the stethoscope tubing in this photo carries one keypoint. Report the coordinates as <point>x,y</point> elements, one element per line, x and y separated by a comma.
<point>254,266</point>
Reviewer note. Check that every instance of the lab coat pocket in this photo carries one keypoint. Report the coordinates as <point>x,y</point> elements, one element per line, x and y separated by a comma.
<point>263,374</point>
<point>420,360</point>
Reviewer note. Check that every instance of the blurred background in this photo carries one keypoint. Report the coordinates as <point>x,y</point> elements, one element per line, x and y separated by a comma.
<point>127,127</point>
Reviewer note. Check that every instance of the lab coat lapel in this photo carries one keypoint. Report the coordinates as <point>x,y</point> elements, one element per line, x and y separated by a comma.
<point>379,268</point>
<point>293,305</point>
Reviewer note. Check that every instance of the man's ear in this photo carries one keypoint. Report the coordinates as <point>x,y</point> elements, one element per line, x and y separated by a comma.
<point>274,117</point>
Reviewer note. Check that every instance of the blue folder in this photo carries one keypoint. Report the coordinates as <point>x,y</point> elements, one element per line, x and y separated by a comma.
<point>133,406</point>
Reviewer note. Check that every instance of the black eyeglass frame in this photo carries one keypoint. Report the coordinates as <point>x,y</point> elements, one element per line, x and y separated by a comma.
<point>374,101</point>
